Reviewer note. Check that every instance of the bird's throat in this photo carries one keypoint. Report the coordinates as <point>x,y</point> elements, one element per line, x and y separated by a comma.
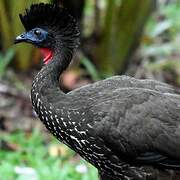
<point>47,54</point>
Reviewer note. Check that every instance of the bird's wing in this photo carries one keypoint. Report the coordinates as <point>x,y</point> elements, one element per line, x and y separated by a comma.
<point>101,90</point>
<point>134,122</point>
<point>116,82</point>
<point>159,160</point>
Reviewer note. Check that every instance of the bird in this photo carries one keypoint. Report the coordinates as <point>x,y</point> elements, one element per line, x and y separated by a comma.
<point>128,128</point>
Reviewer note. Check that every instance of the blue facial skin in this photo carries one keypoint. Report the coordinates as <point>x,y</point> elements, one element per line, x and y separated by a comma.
<point>35,36</point>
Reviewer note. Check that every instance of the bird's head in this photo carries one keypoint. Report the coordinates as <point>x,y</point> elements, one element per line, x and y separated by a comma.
<point>50,28</point>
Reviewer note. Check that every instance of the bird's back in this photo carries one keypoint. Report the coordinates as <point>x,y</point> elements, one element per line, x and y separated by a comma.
<point>117,82</point>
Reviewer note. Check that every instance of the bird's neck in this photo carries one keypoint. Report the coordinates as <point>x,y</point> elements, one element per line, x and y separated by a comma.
<point>46,82</point>
<point>55,109</point>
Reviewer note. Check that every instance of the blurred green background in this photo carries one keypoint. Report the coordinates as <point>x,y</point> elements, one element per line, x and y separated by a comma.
<point>134,37</point>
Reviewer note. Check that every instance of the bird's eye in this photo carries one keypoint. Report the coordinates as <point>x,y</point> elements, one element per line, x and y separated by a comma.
<point>37,32</point>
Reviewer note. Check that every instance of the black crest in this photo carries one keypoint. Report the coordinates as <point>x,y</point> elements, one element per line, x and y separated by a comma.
<point>50,17</point>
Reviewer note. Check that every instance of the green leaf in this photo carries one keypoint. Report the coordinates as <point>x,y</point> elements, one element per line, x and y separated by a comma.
<point>91,69</point>
<point>5,60</point>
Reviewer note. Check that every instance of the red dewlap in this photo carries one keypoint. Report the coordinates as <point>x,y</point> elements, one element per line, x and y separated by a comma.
<point>47,55</point>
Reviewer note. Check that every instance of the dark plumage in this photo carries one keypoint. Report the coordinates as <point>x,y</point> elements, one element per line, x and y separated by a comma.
<point>125,127</point>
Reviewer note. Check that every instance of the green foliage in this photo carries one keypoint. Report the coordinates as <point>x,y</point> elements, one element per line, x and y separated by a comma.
<point>33,153</point>
<point>5,61</point>
<point>91,69</point>
<point>171,13</point>
<point>165,19</point>
<point>163,34</point>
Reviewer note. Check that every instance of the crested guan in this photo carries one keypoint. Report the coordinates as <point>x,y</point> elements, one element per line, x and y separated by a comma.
<point>126,128</point>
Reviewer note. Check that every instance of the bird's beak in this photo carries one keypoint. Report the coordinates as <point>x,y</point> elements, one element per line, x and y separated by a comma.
<point>26,37</point>
<point>21,38</point>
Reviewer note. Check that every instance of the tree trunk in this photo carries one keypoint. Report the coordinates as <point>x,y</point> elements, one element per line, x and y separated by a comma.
<point>121,33</point>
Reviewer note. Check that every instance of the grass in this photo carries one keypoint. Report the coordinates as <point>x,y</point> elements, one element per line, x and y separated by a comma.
<point>32,159</point>
<point>5,60</point>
